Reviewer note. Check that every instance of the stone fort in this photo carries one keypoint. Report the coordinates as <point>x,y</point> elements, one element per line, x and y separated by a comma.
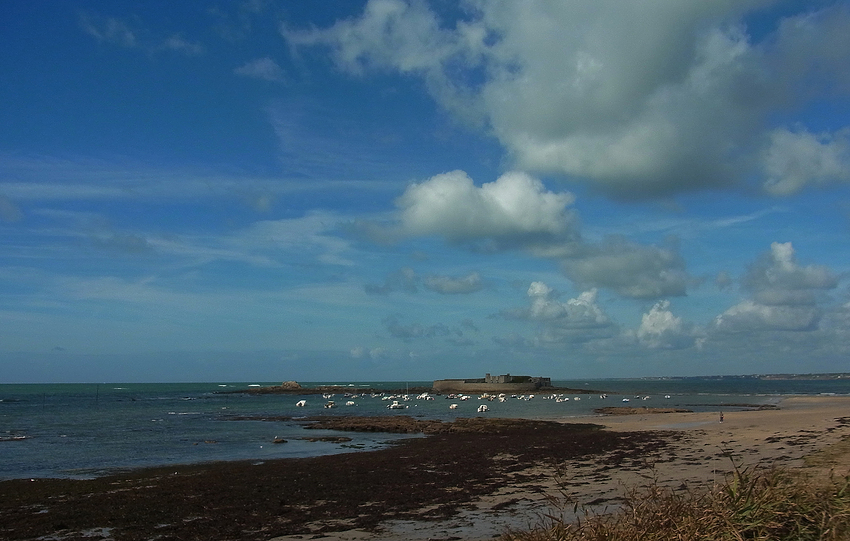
<point>489,384</point>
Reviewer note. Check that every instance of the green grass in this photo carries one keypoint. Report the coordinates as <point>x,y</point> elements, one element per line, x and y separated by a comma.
<point>765,504</point>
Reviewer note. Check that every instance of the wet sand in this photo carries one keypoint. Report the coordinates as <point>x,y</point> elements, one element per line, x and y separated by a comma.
<point>466,484</point>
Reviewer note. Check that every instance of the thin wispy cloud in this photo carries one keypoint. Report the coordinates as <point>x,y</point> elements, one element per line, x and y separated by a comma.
<point>132,34</point>
<point>262,68</point>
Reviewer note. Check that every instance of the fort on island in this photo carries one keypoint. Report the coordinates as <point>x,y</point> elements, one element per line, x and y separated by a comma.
<point>504,383</point>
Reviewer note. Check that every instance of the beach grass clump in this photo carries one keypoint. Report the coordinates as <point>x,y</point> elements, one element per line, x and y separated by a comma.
<point>766,504</point>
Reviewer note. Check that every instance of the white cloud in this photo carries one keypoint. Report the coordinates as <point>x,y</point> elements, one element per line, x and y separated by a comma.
<point>379,353</point>
<point>835,323</point>
<point>785,294</point>
<point>776,278</point>
<point>391,33</point>
<point>580,312</point>
<point>751,316</point>
<point>109,30</point>
<point>399,328</point>
<point>405,36</point>
<point>812,48</point>
<point>514,209</point>
<point>142,291</point>
<point>794,160</point>
<point>123,242</point>
<point>45,178</point>
<point>268,243</point>
<point>517,212</point>
<point>543,305</point>
<point>632,270</point>
<point>45,183</point>
<point>450,285</point>
<point>262,68</point>
<point>180,45</point>
<point>413,331</point>
<point>639,97</point>
<point>311,234</point>
<point>580,319</point>
<point>723,280</point>
<point>660,329</point>
<point>404,279</point>
<point>645,109</point>
<point>119,32</point>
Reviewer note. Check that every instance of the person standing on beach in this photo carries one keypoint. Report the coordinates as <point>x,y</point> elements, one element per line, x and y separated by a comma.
<point>721,416</point>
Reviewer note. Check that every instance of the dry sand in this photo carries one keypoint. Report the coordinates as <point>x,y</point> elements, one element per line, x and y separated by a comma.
<point>811,432</point>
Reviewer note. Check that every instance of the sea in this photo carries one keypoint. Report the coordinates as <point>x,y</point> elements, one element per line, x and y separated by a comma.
<point>84,431</point>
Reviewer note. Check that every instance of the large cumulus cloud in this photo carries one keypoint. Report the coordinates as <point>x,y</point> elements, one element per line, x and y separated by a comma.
<point>579,319</point>
<point>660,329</point>
<point>632,270</point>
<point>517,212</point>
<point>636,97</point>
<point>784,294</point>
<point>515,209</point>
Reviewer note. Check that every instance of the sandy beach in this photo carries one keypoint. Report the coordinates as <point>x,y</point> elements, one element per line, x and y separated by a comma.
<point>471,483</point>
<point>803,431</point>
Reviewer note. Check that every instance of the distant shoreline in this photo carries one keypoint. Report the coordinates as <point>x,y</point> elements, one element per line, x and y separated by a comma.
<point>343,390</point>
<point>827,376</point>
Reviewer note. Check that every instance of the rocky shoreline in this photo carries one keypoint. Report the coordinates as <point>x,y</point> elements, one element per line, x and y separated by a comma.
<point>404,424</point>
<point>419,479</point>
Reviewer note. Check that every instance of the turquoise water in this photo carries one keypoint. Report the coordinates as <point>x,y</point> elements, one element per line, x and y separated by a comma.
<point>86,430</point>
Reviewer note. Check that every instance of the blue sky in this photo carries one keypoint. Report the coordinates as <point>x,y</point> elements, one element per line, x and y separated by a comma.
<point>409,190</point>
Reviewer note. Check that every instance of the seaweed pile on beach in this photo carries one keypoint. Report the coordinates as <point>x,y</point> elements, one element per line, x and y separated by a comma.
<point>421,479</point>
<point>624,410</point>
<point>405,424</point>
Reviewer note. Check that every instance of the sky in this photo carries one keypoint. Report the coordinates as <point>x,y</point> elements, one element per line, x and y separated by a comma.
<point>405,190</point>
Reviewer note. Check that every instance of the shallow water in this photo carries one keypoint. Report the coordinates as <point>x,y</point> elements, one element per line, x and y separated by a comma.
<point>86,430</point>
